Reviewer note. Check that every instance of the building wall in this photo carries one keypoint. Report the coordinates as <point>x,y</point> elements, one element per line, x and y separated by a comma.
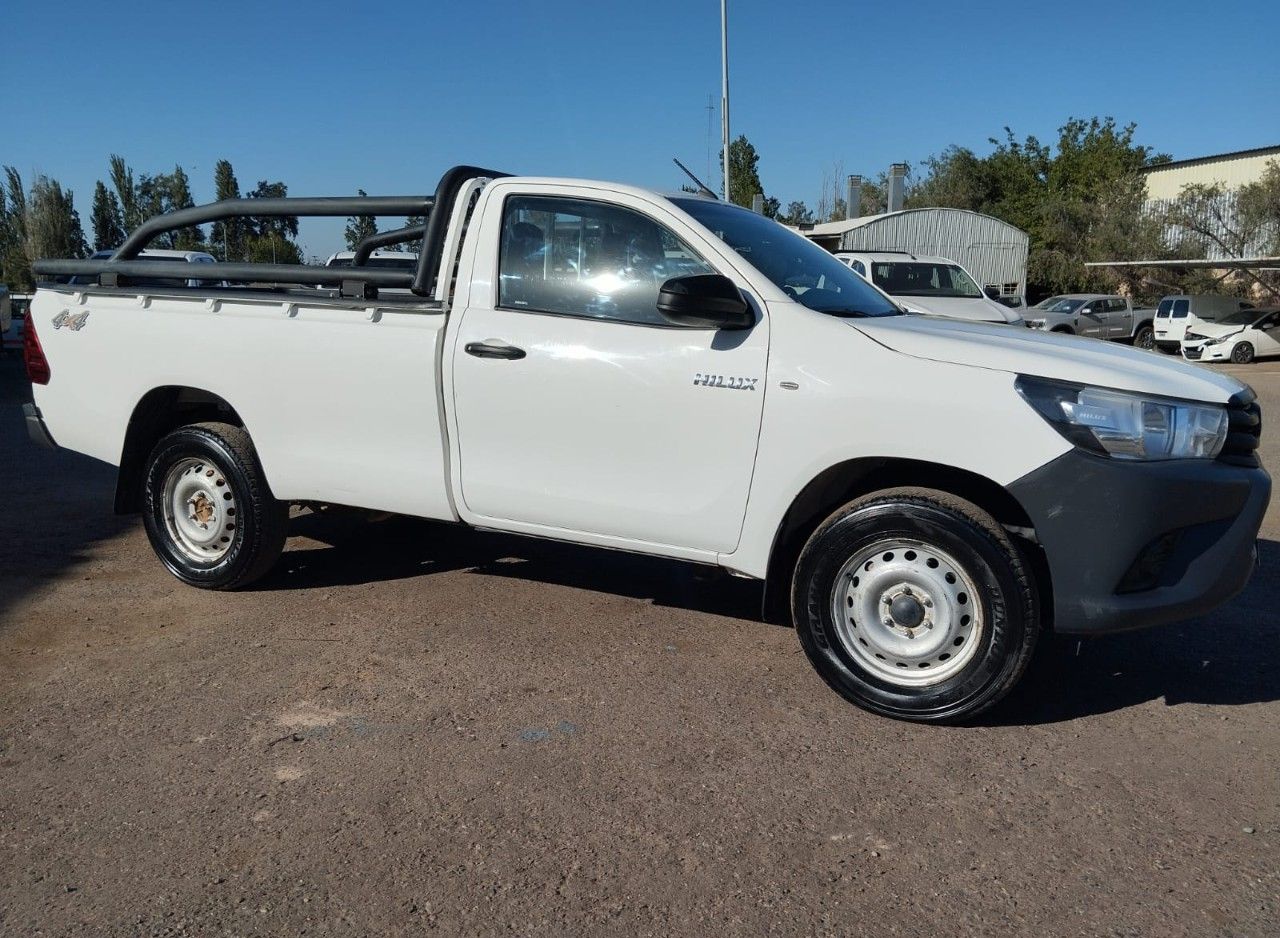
<point>1164,183</point>
<point>993,251</point>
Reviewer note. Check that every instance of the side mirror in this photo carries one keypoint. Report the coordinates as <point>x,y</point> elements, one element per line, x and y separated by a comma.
<point>707,301</point>
<point>993,293</point>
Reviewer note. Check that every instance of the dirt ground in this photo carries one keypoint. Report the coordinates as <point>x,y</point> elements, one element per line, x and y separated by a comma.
<point>412,727</point>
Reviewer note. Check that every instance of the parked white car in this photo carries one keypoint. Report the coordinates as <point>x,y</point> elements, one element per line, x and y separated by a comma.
<point>1239,337</point>
<point>1178,314</point>
<point>158,254</point>
<point>932,286</point>
<point>386,260</point>
<point>674,376</point>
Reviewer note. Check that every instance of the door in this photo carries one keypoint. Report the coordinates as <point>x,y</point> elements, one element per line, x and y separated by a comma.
<point>1267,332</point>
<point>579,410</point>
<point>1093,319</point>
<point>1119,318</point>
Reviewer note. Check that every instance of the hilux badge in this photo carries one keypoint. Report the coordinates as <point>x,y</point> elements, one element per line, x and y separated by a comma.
<point>725,381</point>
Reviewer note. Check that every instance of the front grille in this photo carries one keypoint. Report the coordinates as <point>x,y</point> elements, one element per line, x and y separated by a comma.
<point>1244,431</point>
<point>1191,353</point>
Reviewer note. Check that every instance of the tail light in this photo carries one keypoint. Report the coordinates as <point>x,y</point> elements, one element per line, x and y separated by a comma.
<point>33,354</point>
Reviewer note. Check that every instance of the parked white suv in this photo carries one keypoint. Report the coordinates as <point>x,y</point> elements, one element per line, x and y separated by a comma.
<point>1178,314</point>
<point>934,286</point>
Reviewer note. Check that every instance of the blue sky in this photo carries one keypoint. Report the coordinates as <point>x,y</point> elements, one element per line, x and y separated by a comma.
<point>331,97</point>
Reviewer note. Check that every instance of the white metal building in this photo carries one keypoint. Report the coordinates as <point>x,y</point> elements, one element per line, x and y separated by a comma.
<point>994,251</point>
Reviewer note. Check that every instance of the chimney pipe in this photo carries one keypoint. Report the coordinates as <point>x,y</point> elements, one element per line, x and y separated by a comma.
<point>853,198</point>
<point>757,203</point>
<point>897,186</point>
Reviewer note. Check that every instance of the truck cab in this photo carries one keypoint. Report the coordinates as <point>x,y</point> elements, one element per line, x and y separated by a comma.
<point>930,286</point>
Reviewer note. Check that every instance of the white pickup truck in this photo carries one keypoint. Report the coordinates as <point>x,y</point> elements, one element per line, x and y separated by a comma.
<point>676,376</point>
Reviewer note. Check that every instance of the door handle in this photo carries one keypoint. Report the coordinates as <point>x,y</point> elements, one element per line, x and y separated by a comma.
<point>493,349</point>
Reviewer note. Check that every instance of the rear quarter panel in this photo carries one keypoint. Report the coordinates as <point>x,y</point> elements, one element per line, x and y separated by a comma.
<point>342,403</point>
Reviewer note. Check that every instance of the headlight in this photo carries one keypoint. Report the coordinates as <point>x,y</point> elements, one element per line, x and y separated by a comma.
<point>1220,339</point>
<point>1035,323</point>
<point>1126,425</point>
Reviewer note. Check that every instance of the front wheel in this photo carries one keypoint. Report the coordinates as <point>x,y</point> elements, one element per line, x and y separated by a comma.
<point>1242,354</point>
<point>1144,338</point>
<point>915,604</point>
<point>209,512</point>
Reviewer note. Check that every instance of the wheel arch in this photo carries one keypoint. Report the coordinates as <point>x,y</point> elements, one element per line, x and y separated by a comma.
<point>158,412</point>
<point>1063,329</point>
<point>851,479</point>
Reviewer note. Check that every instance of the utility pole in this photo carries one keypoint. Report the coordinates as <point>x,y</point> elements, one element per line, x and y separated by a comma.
<point>711,109</point>
<point>724,91</point>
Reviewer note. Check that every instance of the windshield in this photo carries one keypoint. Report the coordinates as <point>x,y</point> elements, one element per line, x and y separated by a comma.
<point>1059,304</point>
<point>919,278</point>
<point>1245,317</point>
<point>805,272</point>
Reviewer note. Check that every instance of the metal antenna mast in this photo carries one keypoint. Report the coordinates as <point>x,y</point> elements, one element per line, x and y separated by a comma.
<point>724,91</point>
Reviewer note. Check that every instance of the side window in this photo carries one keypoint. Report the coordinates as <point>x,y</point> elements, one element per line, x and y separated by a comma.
<point>1117,306</point>
<point>576,257</point>
<point>859,267</point>
<point>1180,309</point>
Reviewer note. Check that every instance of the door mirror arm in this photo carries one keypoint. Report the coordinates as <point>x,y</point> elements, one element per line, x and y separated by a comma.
<point>704,301</point>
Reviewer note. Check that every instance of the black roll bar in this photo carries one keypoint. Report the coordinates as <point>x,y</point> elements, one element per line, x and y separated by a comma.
<point>238,208</point>
<point>438,223</point>
<point>383,238</point>
<point>438,209</point>
<point>108,272</point>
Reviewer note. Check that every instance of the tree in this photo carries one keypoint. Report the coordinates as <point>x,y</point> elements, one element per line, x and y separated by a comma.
<point>41,222</point>
<point>178,197</point>
<point>1212,221</point>
<point>108,223</point>
<point>227,237</point>
<point>797,213</point>
<point>270,237</point>
<point>744,176</point>
<point>15,269</point>
<point>360,227</point>
<point>126,192</point>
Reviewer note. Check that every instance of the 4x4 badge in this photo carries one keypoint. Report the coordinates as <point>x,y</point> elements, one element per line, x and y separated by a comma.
<point>74,323</point>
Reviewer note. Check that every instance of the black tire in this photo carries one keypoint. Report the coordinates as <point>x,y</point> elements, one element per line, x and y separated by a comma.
<point>1063,330</point>
<point>1004,593</point>
<point>1145,337</point>
<point>254,531</point>
<point>1242,353</point>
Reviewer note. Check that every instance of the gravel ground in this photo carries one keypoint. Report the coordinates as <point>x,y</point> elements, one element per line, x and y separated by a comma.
<point>412,727</point>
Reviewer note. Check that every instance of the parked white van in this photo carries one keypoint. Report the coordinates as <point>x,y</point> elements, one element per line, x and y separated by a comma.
<point>1176,313</point>
<point>934,286</point>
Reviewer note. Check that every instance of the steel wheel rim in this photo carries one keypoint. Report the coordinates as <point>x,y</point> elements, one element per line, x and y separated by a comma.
<point>907,612</point>
<point>199,509</point>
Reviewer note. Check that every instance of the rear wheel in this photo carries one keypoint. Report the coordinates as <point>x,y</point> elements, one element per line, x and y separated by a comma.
<point>1062,330</point>
<point>1242,353</point>
<point>915,604</point>
<point>1144,338</point>
<point>209,512</point>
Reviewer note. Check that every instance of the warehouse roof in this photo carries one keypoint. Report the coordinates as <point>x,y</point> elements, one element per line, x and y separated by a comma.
<point>1197,160</point>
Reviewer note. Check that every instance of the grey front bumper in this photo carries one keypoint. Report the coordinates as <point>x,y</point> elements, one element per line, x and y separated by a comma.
<point>36,429</point>
<point>1188,527</point>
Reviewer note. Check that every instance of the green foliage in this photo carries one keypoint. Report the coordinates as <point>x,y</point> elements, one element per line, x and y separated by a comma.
<point>227,237</point>
<point>744,175</point>
<point>359,227</point>
<point>42,222</point>
<point>179,197</point>
<point>126,192</point>
<point>271,247</point>
<point>1080,200</point>
<point>797,213</point>
<point>108,223</point>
